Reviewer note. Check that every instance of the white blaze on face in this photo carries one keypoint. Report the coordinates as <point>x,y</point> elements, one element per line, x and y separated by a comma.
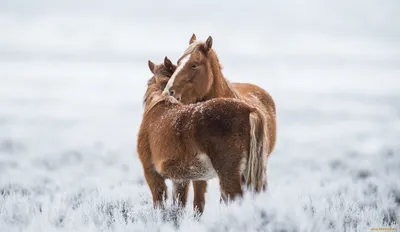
<point>177,71</point>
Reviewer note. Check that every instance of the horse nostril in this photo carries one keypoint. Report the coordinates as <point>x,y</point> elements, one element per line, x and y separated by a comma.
<point>171,93</point>
<point>178,98</point>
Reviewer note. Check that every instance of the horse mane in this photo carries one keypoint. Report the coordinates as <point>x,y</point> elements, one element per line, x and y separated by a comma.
<point>157,99</point>
<point>193,47</point>
<point>217,70</point>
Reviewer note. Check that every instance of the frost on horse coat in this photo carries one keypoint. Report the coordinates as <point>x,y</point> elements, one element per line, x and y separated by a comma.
<point>218,138</point>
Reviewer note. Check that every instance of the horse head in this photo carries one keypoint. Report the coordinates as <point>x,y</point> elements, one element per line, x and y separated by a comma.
<point>194,74</point>
<point>161,74</point>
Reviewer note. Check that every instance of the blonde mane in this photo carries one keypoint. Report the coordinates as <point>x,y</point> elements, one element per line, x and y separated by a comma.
<point>193,47</point>
<point>235,92</point>
<point>154,101</point>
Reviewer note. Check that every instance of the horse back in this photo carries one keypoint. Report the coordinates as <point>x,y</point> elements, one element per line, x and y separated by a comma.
<point>249,91</point>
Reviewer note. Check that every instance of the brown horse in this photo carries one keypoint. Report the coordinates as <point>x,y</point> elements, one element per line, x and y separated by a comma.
<point>198,77</point>
<point>221,138</point>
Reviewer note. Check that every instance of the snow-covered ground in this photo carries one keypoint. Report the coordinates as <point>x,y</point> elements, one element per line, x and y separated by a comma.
<point>72,77</point>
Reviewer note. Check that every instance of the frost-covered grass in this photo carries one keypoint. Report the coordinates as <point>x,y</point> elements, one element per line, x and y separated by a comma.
<point>339,195</point>
<point>68,160</point>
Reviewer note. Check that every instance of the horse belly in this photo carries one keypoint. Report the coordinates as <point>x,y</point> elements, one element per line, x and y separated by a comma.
<point>199,168</point>
<point>203,169</point>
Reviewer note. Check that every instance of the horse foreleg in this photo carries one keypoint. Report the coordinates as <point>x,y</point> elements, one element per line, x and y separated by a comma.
<point>180,192</point>
<point>199,188</point>
<point>157,187</point>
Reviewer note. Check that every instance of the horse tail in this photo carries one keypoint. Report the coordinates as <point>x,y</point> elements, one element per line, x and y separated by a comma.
<point>256,162</point>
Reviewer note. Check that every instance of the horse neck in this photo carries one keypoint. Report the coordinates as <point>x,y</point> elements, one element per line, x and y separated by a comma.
<point>220,86</point>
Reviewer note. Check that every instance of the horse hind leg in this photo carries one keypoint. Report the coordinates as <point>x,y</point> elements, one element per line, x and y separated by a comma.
<point>199,189</point>
<point>157,186</point>
<point>230,184</point>
<point>180,192</point>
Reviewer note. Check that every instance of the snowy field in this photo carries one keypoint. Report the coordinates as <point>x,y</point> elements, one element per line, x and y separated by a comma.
<point>72,78</point>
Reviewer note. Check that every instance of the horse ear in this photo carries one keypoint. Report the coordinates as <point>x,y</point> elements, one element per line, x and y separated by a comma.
<point>168,64</point>
<point>192,39</point>
<point>208,44</point>
<point>151,66</point>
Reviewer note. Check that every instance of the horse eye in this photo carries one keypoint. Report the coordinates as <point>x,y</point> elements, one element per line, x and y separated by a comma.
<point>171,93</point>
<point>194,66</point>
